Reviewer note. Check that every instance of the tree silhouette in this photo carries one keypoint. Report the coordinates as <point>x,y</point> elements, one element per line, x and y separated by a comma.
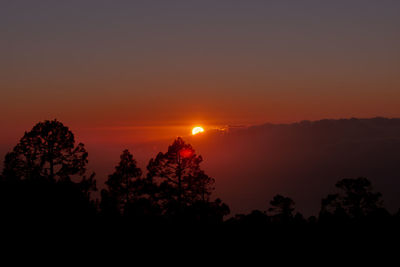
<point>37,175</point>
<point>201,186</point>
<point>281,209</point>
<point>124,184</point>
<point>47,151</point>
<point>37,181</point>
<point>88,185</point>
<point>355,201</point>
<point>178,178</point>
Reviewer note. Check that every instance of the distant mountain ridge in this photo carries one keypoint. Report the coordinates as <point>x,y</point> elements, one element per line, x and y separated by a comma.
<point>303,160</point>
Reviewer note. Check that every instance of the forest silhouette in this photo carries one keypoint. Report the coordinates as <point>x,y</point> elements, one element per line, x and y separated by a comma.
<point>46,176</point>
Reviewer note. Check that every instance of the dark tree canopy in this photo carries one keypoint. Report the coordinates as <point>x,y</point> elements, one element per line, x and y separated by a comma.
<point>355,200</point>
<point>282,208</point>
<point>178,176</point>
<point>175,189</point>
<point>206,212</point>
<point>256,218</point>
<point>124,185</point>
<point>47,151</point>
<point>37,175</point>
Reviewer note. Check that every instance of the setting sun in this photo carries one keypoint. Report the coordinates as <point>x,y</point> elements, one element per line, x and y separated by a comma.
<point>197,130</point>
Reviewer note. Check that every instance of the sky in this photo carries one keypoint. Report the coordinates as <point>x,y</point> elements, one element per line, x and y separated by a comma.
<point>137,70</point>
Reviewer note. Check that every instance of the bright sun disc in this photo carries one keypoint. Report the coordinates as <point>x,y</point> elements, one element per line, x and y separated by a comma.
<point>197,130</point>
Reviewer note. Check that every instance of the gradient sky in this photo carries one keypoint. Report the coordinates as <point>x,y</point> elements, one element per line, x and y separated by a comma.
<point>157,64</point>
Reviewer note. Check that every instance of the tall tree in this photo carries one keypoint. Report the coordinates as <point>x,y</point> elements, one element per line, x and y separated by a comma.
<point>177,174</point>
<point>47,151</point>
<point>124,184</point>
<point>38,174</point>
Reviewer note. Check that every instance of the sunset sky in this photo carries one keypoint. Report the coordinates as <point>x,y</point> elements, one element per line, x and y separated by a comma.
<point>161,67</point>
